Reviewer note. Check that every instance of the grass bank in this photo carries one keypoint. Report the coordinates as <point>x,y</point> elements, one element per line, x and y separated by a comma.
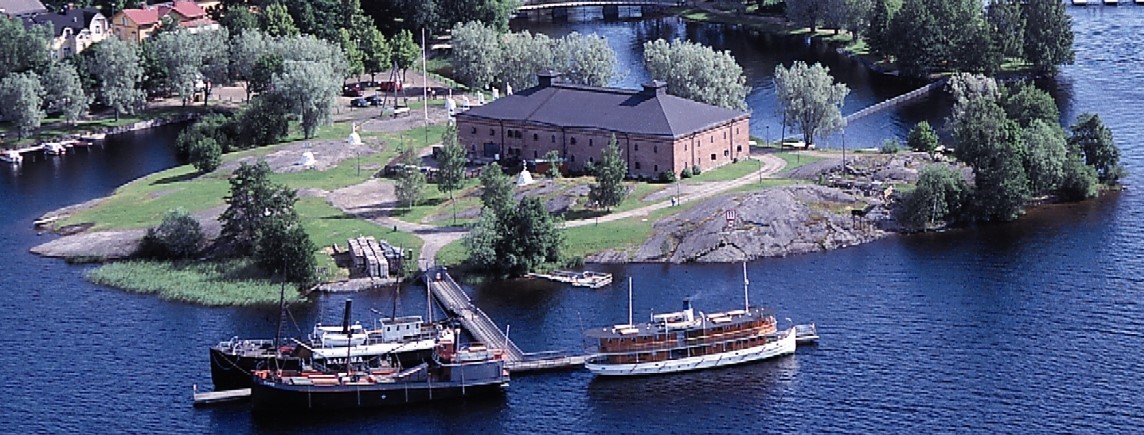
<point>213,283</point>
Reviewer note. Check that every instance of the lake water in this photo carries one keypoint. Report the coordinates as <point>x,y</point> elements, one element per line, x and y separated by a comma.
<point>1035,326</point>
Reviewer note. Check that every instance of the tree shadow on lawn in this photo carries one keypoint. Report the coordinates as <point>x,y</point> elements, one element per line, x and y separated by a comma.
<point>575,215</point>
<point>176,178</point>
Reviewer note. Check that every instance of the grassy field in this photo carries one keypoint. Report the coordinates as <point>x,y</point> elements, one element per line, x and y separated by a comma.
<point>52,128</point>
<point>795,160</point>
<point>727,172</point>
<point>327,225</point>
<point>214,283</point>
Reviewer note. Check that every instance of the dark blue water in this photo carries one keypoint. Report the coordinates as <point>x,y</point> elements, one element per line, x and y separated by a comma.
<point>1030,327</point>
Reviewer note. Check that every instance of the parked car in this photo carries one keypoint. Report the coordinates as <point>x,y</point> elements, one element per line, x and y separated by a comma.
<point>389,86</point>
<point>351,91</point>
<point>373,100</point>
<point>359,102</point>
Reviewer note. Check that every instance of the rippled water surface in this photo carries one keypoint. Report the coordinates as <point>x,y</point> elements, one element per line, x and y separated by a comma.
<point>1029,327</point>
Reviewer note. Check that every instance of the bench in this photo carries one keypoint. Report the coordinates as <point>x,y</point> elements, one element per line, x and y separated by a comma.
<point>400,111</point>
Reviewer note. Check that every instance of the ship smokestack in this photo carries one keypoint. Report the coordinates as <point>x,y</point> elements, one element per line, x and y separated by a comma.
<point>346,318</point>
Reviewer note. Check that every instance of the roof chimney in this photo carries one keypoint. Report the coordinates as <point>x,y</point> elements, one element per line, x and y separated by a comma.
<point>546,77</point>
<point>654,88</point>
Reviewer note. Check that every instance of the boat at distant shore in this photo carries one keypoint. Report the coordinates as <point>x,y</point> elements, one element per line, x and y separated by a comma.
<point>685,340</point>
<point>402,340</point>
<point>452,373</point>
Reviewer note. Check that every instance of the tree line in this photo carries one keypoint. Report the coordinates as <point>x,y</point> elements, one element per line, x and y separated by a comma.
<point>927,36</point>
<point>1011,139</point>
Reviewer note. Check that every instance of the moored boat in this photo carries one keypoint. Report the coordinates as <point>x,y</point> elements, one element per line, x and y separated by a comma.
<point>11,156</point>
<point>453,373</point>
<point>685,340</point>
<point>54,148</point>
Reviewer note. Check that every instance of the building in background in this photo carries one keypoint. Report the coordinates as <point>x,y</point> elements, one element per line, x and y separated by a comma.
<point>21,8</point>
<point>656,132</point>
<point>75,28</point>
<point>135,25</point>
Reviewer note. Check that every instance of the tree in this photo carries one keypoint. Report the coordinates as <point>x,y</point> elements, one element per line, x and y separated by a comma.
<point>481,240</point>
<point>179,55</point>
<point>978,127</point>
<point>406,52</point>
<point>1048,40</point>
<point>276,21</point>
<point>282,244</point>
<point>410,181</point>
<point>496,190</point>
<point>531,240</point>
<point>116,68</point>
<point>252,201</point>
<point>697,72</point>
<point>178,236</point>
<point>807,13</point>
<point>1026,103</point>
<point>355,59</point>
<point>477,53</point>
<point>262,76</point>
<point>1001,181</point>
<point>1008,26</point>
<point>521,56</point>
<point>205,154</point>
<point>878,36</point>
<point>451,170</point>
<point>22,48</point>
<point>247,49</point>
<point>553,158</point>
<point>237,19</point>
<point>609,190</point>
<point>378,53</point>
<point>1094,140</point>
<point>1079,180</point>
<point>65,96</point>
<point>914,38</point>
<point>215,126</point>
<point>264,121</point>
<point>938,199</point>
<point>810,99</point>
<point>584,59</point>
<point>215,66</point>
<point>1046,153</point>
<point>922,138</point>
<point>20,101</point>
<point>310,89</point>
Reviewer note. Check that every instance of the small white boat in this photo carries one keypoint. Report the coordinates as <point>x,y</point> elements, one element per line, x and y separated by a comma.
<point>1111,2</point>
<point>1080,2</point>
<point>11,156</point>
<point>93,137</point>
<point>805,334</point>
<point>54,148</point>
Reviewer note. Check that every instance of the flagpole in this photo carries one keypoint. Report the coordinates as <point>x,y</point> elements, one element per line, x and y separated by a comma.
<point>425,81</point>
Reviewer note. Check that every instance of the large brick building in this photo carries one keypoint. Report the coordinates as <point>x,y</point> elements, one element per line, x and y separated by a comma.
<point>656,132</point>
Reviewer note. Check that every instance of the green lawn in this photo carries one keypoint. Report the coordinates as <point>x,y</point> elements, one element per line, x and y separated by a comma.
<point>453,254</point>
<point>215,283</point>
<point>796,160</point>
<point>327,225</point>
<point>727,172</point>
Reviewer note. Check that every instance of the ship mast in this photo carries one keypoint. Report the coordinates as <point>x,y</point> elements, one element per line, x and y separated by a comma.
<point>746,282</point>
<point>630,301</point>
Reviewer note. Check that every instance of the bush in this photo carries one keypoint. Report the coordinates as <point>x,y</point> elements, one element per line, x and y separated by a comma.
<point>685,173</point>
<point>205,154</point>
<point>282,245</point>
<point>891,146</point>
<point>695,170</point>
<point>667,177</point>
<point>922,138</point>
<point>178,236</point>
<point>1079,182</point>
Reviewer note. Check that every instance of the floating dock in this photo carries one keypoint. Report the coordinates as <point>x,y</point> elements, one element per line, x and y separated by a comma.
<point>212,397</point>
<point>577,279</point>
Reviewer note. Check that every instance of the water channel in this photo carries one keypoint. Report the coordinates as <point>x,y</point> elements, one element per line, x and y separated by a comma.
<point>1036,326</point>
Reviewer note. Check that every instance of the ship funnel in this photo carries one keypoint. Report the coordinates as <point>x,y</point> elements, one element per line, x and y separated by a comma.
<point>346,318</point>
<point>686,304</point>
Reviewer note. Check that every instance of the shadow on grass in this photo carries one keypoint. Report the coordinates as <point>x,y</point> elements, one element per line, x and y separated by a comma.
<point>176,178</point>
<point>575,215</point>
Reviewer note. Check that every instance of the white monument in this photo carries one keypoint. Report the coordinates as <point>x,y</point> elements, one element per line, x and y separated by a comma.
<point>524,178</point>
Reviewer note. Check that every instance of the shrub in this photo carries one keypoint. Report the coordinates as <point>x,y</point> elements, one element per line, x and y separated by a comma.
<point>695,170</point>
<point>922,138</point>
<point>667,177</point>
<point>891,146</point>
<point>205,154</point>
<point>178,236</point>
<point>685,173</point>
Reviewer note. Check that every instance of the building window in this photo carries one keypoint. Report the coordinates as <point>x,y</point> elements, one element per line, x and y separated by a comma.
<point>726,153</point>
<point>573,141</point>
<point>534,154</point>
<point>724,135</point>
<point>712,157</point>
<point>637,147</point>
<point>572,158</point>
<point>637,165</point>
<point>739,148</point>
<point>736,130</point>
<point>473,148</point>
<point>589,142</point>
<point>553,138</point>
<point>655,148</point>
<point>591,160</point>
<point>712,139</point>
<point>655,168</point>
<point>535,137</point>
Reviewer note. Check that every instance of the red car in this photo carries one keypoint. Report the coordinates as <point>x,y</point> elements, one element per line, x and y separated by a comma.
<point>351,91</point>
<point>389,86</point>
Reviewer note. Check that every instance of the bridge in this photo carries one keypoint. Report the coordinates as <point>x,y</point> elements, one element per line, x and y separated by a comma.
<point>898,100</point>
<point>452,298</point>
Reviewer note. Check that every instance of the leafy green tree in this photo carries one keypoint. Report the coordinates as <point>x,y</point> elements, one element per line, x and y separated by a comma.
<point>20,101</point>
<point>583,59</point>
<point>879,36</point>
<point>1002,184</point>
<point>554,160</point>
<point>276,21</point>
<point>810,99</point>
<point>922,138</point>
<point>355,59</point>
<point>481,240</point>
<point>310,89</point>
<point>22,48</point>
<point>451,173</point>
<point>1048,39</point>
<point>1026,103</point>
<point>306,48</point>
<point>265,68</point>
<point>532,239</point>
<point>1079,180</point>
<point>697,72</point>
<point>914,39</point>
<point>205,154</point>
<point>410,181</point>
<point>807,13</point>
<point>247,49</point>
<point>520,55</point>
<point>65,96</point>
<point>178,236</point>
<point>496,190</point>
<point>1008,26</point>
<point>282,244</point>
<point>609,190</point>
<point>939,198</point>
<point>253,200</point>
<point>477,53</point>
<point>265,121</point>
<point>1046,153</point>
<point>1091,137</point>
<point>180,55</point>
<point>378,53</point>
<point>238,19</point>
<point>215,127</point>
<point>979,129</point>
<point>406,52</point>
<point>116,68</point>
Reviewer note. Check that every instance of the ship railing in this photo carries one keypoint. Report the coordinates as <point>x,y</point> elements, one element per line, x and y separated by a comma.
<point>661,347</point>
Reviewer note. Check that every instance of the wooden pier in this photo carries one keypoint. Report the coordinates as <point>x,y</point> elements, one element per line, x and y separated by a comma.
<point>453,299</point>
<point>919,92</point>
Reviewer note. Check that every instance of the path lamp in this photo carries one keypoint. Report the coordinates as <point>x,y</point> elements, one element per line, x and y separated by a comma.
<point>355,141</point>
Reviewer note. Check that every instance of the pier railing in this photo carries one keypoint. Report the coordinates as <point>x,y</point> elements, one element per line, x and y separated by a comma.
<point>895,101</point>
<point>453,298</point>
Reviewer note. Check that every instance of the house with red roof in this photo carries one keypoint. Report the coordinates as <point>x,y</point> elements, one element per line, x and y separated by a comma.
<point>135,25</point>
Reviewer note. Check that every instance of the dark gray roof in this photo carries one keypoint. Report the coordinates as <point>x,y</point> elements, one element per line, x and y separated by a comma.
<point>622,110</point>
<point>16,8</point>
<point>76,19</point>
